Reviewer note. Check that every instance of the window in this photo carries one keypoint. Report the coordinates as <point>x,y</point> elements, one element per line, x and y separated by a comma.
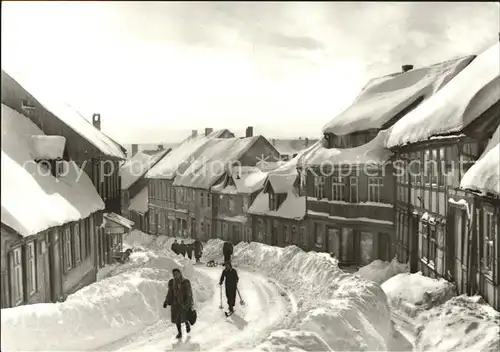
<point>209,200</point>
<point>83,238</point>
<point>68,255</point>
<point>303,236</point>
<point>441,168</point>
<point>337,188</point>
<point>434,167</point>
<point>202,228</point>
<point>432,255</point>
<point>224,231</point>
<point>273,201</point>
<point>77,243</point>
<point>424,244</point>
<point>294,235</point>
<point>245,204</point>
<point>88,238</point>
<point>319,187</point>
<point>231,203</point>
<point>375,185</point>
<point>286,230</point>
<point>334,242</point>
<point>31,267</point>
<point>202,199</point>
<point>489,241</point>
<point>16,277</point>
<point>209,230</point>
<point>353,185</point>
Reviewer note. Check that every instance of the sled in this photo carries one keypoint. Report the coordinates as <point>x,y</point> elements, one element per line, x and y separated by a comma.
<point>212,263</point>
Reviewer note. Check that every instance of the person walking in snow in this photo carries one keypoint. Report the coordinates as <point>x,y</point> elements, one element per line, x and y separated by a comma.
<point>180,299</point>
<point>227,251</point>
<point>182,249</point>
<point>175,247</point>
<point>198,250</point>
<point>231,276</point>
<point>189,250</point>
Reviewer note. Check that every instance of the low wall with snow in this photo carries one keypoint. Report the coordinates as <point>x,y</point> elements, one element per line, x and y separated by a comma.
<point>124,303</point>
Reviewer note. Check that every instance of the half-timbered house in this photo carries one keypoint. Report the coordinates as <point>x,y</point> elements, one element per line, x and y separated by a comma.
<point>216,157</point>
<point>92,150</point>
<point>49,212</point>
<point>278,211</point>
<point>135,186</point>
<point>439,224</point>
<point>350,182</point>
<point>232,196</point>
<point>168,207</point>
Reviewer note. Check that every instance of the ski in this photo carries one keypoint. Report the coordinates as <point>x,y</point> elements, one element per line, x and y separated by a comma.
<point>228,314</point>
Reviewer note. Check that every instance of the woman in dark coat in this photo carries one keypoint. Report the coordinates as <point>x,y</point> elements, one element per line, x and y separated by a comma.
<point>180,298</point>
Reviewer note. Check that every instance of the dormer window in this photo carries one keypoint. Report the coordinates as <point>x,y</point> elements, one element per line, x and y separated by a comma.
<point>275,200</point>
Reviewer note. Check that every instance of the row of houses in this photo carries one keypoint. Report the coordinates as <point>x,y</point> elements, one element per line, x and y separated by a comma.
<point>409,170</point>
<point>60,195</point>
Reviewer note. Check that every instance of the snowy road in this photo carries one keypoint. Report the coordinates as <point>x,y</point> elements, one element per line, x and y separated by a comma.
<point>264,312</point>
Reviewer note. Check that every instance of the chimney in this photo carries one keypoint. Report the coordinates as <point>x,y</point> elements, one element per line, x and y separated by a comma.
<point>249,132</point>
<point>96,121</point>
<point>194,133</point>
<point>307,142</point>
<point>274,141</point>
<point>407,68</point>
<point>160,146</point>
<point>208,130</point>
<point>135,149</point>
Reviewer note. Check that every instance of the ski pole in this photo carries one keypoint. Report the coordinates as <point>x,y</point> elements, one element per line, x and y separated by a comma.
<point>220,307</point>
<point>242,302</point>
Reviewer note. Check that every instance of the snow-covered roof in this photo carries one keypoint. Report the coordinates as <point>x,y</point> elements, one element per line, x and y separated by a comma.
<point>385,97</point>
<point>484,175</point>
<point>32,199</point>
<point>68,115</point>
<point>139,203</point>
<point>118,219</point>
<point>212,163</point>
<point>373,153</point>
<point>246,180</point>
<point>47,147</point>
<point>468,95</point>
<point>282,181</point>
<point>136,167</point>
<point>181,157</point>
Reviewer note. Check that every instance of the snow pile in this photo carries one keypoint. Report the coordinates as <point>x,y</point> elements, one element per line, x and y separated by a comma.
<point>47,147</point>
<point>462,323</point>
<point>103,312</point>
<point>335,309</point>
<point>413,293</point>
<point>380,271</point>
<point>140,202</point>
<point>484,175</point>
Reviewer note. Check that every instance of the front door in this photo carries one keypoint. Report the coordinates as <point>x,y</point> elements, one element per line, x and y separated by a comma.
<point>55,267</point>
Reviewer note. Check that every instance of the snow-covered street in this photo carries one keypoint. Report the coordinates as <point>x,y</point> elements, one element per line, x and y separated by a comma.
<point>265,309</point>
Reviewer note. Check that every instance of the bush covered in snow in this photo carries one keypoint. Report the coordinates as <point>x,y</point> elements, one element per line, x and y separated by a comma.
<point>126,302</point>
<point>380,271</point>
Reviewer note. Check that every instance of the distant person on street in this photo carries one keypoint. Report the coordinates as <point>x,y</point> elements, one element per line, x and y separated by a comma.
<point>198,250</point>
<point>180,299</point>
<point>227,251</point>
<point>175,247</point>
<point>231,276</point>
<point>182,249</point>
<point>189,250</point>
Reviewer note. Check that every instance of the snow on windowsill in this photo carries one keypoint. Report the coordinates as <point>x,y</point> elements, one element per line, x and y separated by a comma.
<point>341,218</point>
<point>369,203</point>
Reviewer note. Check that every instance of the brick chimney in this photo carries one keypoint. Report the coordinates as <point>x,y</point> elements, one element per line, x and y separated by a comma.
<point>208,130</point>
<point>194,133</point>
<point>249,132</point>
<point>407,68</point>
<point>307,142</point>
<point>135,149</point>
<point>96,121</point>
<point>160,146</point>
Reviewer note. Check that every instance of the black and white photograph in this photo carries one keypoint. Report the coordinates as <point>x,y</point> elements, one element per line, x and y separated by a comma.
<point>250,176</point>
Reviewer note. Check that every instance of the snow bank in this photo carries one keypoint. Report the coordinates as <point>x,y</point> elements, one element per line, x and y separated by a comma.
<point>336,310</point>
<point>462,323</point>
<point>380,271</point>
<point>413,293</point>
<point>122,304</point>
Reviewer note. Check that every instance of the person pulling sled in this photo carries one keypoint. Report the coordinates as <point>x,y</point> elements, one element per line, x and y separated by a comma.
<point>180,299</point>
<point>230,275</point>
<point>227,251</point>
<point>198,250</point>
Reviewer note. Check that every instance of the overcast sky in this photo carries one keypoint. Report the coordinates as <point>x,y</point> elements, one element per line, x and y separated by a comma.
<point>156,70</point>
